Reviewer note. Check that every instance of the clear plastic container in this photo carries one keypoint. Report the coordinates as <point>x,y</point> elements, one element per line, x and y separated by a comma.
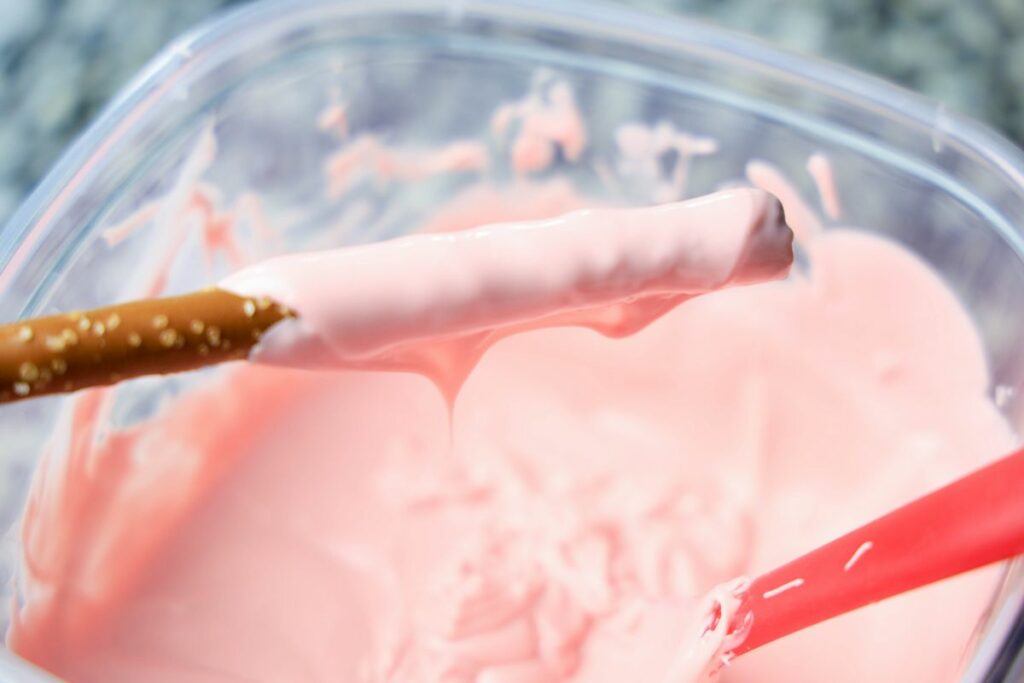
<point>421,72</point>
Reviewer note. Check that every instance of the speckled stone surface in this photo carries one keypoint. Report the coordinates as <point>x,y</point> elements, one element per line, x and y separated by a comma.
<point>63,59</point>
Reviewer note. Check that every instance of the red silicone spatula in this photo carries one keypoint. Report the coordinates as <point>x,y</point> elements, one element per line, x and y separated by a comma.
<point>972,522</point>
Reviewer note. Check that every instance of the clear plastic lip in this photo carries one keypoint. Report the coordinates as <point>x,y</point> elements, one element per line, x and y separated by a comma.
<point>233,32</point>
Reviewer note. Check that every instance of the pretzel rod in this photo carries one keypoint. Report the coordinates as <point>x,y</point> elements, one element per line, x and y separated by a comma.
<point>67,352</point>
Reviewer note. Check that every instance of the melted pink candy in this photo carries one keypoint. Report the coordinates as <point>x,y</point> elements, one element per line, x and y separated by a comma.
<point>821,171</point>
<point>366,154</point>
<point>547,119</point>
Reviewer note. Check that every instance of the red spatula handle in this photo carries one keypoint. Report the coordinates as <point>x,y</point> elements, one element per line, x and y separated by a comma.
<point>973,522</point>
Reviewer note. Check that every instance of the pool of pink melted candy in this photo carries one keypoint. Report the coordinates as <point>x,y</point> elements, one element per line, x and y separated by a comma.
<point>565,509</point>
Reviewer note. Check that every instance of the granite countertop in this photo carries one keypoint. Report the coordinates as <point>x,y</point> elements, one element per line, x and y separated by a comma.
<point>63,59</point>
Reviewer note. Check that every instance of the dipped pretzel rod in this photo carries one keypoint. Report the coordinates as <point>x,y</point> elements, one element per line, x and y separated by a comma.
<point>361,306</point>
